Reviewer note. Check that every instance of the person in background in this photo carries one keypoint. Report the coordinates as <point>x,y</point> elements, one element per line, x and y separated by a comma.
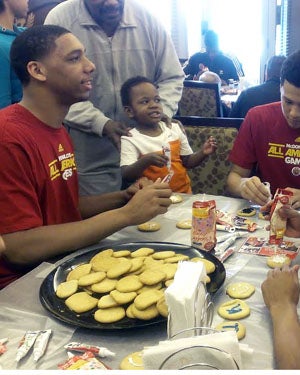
<point>42,215</point>
<point>212,59</point>
<point>267,92</point>
<point>268,143</point>
<point>123,40</point>
<point>211,77</point>
<point>38,10</point>
<point>281,291</point>
<point>153,150</point>
<point>10,86</point>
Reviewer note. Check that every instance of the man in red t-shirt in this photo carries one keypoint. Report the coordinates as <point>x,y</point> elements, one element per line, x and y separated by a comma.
<point>269,143</point>
<point>42,215</point>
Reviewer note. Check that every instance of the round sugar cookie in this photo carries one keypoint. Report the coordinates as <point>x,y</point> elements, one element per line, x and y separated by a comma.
<point>162,307</point>
<point>149,313</point>
<point>209,265</point>
<point>247,212</point>
<point>278,261</point>
<point>133,361</point>
<point>81,302</point>
<point>176,198</point>
<point>236,326</point>
<point>110,315</point>
<point>123,298</point>
<point>121,253</point>
<point>142,252</point>
<point>240,290</point>
<point>163,254</point>
<point>91,278</point>
<point>129,283</point>
<point>66,289</point>
<point>184,224</point>
<point>149,226</point>
<point>234,309</point>
<point>79,271</point>
<point>107,301</point>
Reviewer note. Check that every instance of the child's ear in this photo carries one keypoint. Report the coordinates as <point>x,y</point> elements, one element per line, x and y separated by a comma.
<point>128,111</point>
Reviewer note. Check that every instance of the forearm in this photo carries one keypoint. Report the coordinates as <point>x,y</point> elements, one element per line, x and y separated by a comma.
<point>286,330</point>
<point>234,183</point>
<point>193,160</point>
<point>35,245</point>
<point>134,171</point>
<point>92,205</point>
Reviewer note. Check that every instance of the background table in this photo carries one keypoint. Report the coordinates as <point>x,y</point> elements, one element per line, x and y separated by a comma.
<point>20,308</point>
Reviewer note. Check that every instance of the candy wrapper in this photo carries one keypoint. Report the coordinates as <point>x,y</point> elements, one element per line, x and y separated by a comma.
<point>97,350</point>
<point>203,233</point>
<point>86,361</point>
<point>3,347</point>
<point>277,224</point>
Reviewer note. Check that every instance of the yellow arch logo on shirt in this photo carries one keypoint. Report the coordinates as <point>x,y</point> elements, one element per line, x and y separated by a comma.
<point>297,139</point>
<point>60,148</point>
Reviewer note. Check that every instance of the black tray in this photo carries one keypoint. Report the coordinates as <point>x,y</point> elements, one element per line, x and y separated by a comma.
<point>57,308</point>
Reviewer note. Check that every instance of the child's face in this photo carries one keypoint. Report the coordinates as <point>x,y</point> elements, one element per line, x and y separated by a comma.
<point>145,107</point>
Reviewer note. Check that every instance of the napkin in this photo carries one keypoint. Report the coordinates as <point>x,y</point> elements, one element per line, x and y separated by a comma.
<point>220,350</point>
<point>186,298</point>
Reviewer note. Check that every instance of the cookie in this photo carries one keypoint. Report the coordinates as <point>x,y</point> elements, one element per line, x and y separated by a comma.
<point>129,313</point>
<point>148,298</point>
<point>278,261</point>
<point>184,224</point>
<point>162,307</point>
<point>81,302</point>
<point>66,289</point>
<point>149,226</point>
<point>121,253</point>
<point>163,254</point>
<point>176,198</point>
<point>91,278</point>
<point>105,286</point>
<point>247,212</point>
<point>123,298</point>
<point>149,287</point>
<point>209,265</point>
<point>106,302</point>
<point>142,252</point>
<point>234,309</point>
<point>176,258</point>
<point>238,327</point>
<point>152,276</point>
<point>133,361</point>
<point>79,271</point>
<point>110,315</point>
<point>129,283</point>
<point>150,312</point>
<point>120,268</point>
<point>102,254</point>
<point>240,290</point>
<point>136,264</point>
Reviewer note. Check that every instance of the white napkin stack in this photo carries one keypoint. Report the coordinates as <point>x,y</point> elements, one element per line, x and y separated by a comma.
<point>185,297</point>
<point>219,350</point>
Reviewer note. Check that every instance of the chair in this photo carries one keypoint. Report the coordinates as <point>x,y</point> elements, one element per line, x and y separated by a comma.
<point>210,177</point>
<point>200,99</point>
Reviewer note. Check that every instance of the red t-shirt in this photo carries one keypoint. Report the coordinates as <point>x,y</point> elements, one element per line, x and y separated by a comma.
<point>265,140</point>
<point>38,178</point>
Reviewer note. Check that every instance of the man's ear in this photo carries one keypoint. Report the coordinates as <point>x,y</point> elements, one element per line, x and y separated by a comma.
<point>37,70</point>
<point>128,111</point>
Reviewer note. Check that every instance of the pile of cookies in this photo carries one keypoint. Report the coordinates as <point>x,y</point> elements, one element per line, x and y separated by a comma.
<point>236,308</point>
<point>123,283</point>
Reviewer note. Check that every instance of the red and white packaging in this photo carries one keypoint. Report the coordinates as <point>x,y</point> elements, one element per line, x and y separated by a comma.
<point>204,218</point>
<point>277,224</point>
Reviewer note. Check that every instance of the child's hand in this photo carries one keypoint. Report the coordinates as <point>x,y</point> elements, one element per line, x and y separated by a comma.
<point>159,160</point>
<point>209,146</point>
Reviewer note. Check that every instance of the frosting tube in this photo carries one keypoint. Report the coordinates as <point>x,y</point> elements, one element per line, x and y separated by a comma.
<point>98,350</point>
<point>41,344</point>
<point>26,343</point>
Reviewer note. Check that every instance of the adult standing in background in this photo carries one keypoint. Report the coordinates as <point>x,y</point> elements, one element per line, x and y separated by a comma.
<point>10,86</point>
<point>123,40</point>
<point>212,59</point>
<point>267,92</point>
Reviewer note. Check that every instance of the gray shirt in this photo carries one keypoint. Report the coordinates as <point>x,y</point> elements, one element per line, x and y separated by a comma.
<point>140,46</point>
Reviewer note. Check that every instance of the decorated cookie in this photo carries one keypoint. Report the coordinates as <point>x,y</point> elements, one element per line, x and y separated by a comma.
<point>176,198</point>
<point>184,224</point>
<point>240,290</point>
<point>238,327</point>
<point>247,212</point>
<point>149,226</point>
<point>133,361</point>
<point>234,309</point>
<point>278,260</point>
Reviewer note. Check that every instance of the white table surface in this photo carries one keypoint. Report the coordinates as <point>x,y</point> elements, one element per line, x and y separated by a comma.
<point>21,310</point>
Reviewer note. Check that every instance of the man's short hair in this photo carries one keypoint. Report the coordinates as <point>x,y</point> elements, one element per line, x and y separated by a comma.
<point>31,45</point>
<point>128,85</point>
<point>211,39</point>
<point>291,70</point>
<point>274,66</point>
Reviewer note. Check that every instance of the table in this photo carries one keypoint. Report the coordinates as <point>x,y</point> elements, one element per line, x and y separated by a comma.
<point>20,308</point>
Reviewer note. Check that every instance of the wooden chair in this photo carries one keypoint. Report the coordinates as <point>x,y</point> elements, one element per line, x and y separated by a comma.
<point>210,177</point>
<point>200,99</point>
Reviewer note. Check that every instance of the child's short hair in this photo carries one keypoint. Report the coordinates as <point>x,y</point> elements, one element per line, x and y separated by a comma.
<point>128,85</point>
